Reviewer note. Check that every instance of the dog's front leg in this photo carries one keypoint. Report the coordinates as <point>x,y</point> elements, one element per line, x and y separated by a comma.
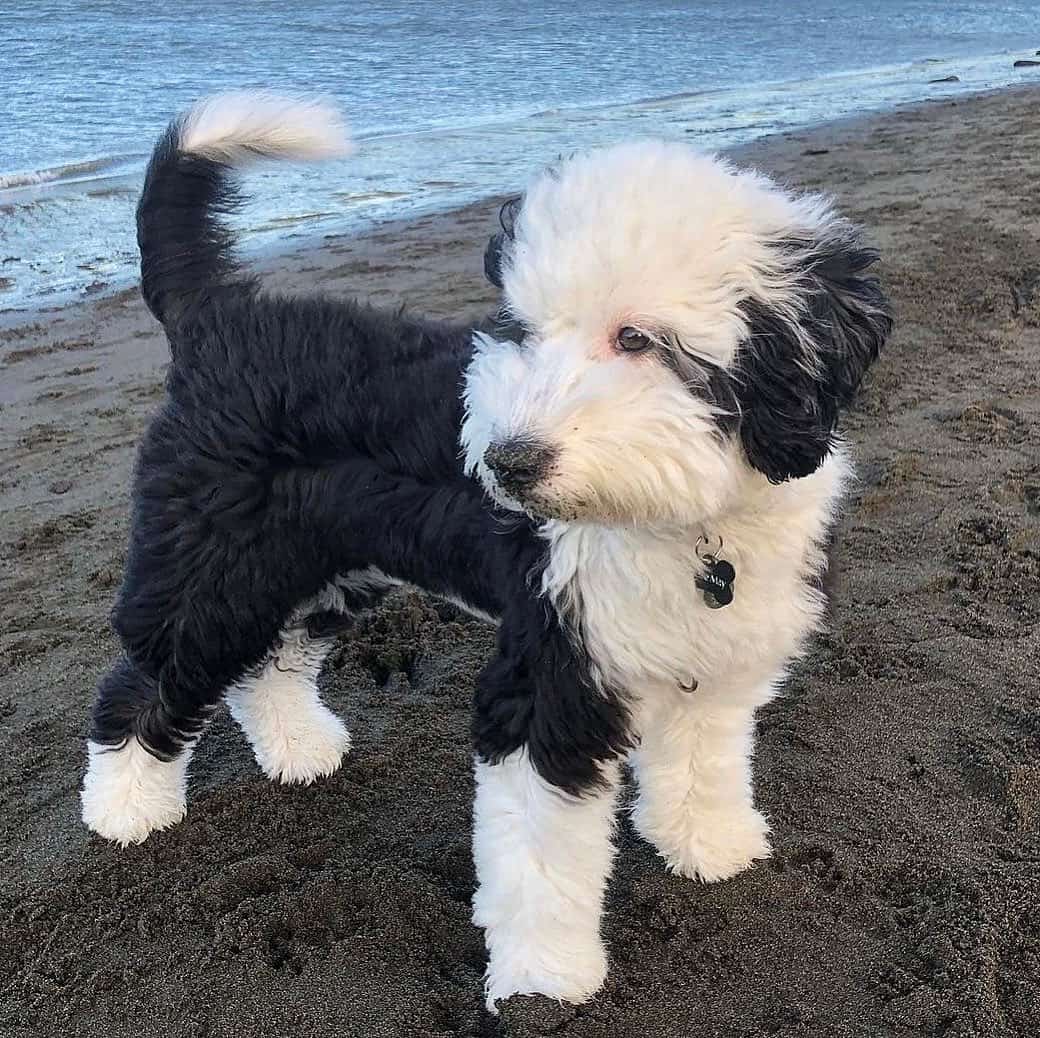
<point>695,804</point>
<point>543,858</point>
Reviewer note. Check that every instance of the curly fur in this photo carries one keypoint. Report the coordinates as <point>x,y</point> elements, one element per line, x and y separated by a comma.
<point>306,459</point>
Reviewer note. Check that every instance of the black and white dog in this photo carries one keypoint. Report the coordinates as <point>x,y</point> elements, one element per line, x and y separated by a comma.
<point>655,427</point>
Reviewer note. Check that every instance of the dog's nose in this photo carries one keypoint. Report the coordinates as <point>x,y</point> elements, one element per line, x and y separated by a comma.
<point>518,463</point>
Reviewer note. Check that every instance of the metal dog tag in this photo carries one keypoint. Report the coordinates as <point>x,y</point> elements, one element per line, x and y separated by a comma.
<point>716,582</point>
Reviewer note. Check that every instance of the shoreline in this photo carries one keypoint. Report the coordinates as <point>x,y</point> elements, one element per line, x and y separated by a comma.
<point>276,253</point>
<point>899,768</point>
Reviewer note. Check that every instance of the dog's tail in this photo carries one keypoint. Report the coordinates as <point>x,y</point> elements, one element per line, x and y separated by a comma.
<point>190,187</point>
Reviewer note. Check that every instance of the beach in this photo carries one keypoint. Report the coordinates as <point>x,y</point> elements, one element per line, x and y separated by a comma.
<point>900,769</point>
<point>448,102</point>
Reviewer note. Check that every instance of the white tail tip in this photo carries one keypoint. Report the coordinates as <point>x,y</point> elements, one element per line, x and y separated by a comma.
<point>242,126</point>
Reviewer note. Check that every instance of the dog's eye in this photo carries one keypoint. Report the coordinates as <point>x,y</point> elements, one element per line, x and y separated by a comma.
<point>632,340</point>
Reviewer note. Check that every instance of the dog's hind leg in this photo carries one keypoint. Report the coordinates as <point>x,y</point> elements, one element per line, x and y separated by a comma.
<point>130,791</point>
<point>294,735</point>
<point>188,634</point>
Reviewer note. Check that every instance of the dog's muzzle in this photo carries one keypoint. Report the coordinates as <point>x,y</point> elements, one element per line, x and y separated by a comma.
<point>519,465</point>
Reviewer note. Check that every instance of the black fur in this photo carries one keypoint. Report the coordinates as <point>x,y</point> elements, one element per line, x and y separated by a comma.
<point>538,692</point>
<point>185,248</point>
<point>789,402</point>
<point>493,259</point>
<point>711,383</point>
<point>301,439</point>
<point>495,253</point>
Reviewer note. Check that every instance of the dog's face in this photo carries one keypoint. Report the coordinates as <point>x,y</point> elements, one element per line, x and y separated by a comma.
<point>682,327</point>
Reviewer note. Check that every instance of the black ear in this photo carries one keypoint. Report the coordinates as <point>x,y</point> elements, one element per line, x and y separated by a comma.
<point>493,259</point>
<point>798,370</point>
<point>494,254</point>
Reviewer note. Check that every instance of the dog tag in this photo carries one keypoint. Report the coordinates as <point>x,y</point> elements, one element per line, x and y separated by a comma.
<point>716,582</point>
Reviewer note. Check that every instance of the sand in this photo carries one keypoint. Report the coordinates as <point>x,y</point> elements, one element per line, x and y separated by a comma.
<point>900,769</point>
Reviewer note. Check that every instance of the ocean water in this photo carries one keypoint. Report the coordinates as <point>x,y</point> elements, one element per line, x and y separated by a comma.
<point>448,100</point>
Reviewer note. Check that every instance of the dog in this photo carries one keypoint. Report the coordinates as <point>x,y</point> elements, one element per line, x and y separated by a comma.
<point>634,471</point>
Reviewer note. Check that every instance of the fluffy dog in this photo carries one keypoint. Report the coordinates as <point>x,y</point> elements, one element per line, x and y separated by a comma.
<point>648,475</point>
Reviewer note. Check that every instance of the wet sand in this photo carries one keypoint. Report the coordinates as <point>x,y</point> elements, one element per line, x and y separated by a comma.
<point>901,769</point>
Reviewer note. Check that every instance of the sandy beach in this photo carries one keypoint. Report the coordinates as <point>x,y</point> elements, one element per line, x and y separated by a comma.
<point>901,769</point>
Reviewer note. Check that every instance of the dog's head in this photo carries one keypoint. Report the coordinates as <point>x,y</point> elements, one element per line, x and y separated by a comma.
<point>683,327</point>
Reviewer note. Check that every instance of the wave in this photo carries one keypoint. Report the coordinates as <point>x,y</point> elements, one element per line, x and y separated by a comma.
<point>65,215</point>
<point>275,223</point>
<point>351,197</point>
<point>521,119</point>
<point>69,171</point>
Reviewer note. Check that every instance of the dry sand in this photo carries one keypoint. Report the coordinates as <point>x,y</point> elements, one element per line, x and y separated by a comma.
<point>900,770</point>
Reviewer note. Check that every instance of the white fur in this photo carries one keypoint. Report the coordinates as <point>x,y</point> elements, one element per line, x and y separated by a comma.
<point>655,237</point>
<point>653,234</point>
<point>695,804</point>
<point>242,126</point>
<point>542,860</point>
<point>646,624</point>
<point>649,631</point>
<point>625,431</point>
<point>295,737</point>
<point>127,793</point>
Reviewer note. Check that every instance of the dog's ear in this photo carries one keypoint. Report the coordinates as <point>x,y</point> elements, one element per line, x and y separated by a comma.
<point>802,362</point>
<point>496,251</point>
<point>493,259</point>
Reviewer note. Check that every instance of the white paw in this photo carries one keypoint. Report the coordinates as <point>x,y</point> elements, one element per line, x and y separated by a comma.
<point>568,974</point>
<point>128,794</point>
<point>304,747</point>
<point>714,845</point>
